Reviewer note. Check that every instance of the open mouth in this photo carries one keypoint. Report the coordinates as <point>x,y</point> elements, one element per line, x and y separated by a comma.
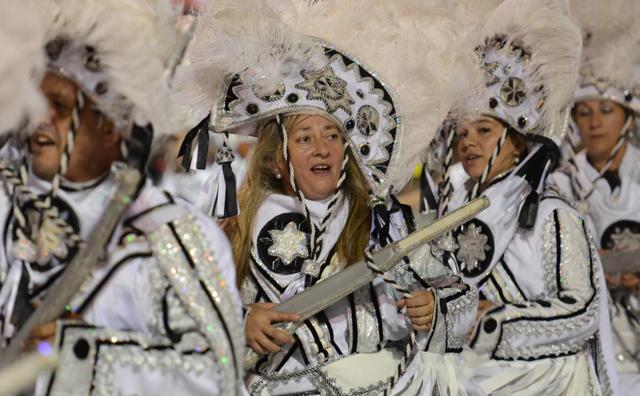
<point>321,169</point>
<point>44,140</point>
<point>471,157</point>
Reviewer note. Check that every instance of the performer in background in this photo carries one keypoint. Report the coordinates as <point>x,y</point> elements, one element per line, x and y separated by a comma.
<point>160,313</point>
<point>604,177</point>
<point>542,321</point>
<point>334,144</point>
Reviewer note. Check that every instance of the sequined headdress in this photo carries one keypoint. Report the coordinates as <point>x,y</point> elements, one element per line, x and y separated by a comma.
<point>304,57</point>
<point>610,67</point>
<point>529,57</point>
<point>609,70</point>
<point>524,73</point>
<point>120,53</point>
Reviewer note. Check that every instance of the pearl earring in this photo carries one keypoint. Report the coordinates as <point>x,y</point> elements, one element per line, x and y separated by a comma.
<point>278,176</point>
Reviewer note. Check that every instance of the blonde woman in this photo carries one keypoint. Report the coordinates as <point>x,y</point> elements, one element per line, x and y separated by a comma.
<point>333,145</point>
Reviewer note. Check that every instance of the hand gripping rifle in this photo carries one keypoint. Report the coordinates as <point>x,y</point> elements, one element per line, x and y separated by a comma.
<point>326,293</point>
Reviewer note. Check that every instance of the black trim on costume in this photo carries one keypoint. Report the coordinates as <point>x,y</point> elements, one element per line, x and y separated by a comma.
<point>210,298</point>
<point>495,285</point>
<point>556,220</point>
<point>513,279</point>
<point>268,277</point>
<point>354,321</point>
<point>316,338</point>
<point>479,323</point>
<point>286,357</point>
<point>305,359</point>
<point>99,343</point>
<point>108,276</point>
<point>549,319</point>
<point>432,332</point>
<point>322,316</point>
<point>376,307</point>
<point>128,222</point>
<point>96,183</point>
<point>62,334</point>
<point>173,336</point>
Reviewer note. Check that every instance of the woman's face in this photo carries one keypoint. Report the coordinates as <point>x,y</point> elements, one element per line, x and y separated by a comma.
<point>475,142</point>
<point>316,151</point>
<point>600,123</point>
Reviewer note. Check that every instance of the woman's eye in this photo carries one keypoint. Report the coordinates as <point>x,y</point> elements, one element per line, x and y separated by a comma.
<point>333,136</point>
<point>484,130</point>
<point>607,110</point>
<point>584,113</point>
<point>303,139</point>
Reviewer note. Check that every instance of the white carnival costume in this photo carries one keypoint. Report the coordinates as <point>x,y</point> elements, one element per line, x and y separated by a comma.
<point>530,253</point>
<point>610,70</point>
<point>358,345</point>
<point>160,313</point>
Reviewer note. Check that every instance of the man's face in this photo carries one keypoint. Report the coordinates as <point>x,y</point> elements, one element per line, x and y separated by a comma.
<point>95,145</point>
<point>49,141</point>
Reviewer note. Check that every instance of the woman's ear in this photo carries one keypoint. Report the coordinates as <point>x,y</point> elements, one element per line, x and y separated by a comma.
<point>277,168</point>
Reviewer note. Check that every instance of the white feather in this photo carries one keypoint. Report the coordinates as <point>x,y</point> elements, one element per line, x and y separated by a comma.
<point>137,41</point>
<point>612,40</point>
<point>22,31</point>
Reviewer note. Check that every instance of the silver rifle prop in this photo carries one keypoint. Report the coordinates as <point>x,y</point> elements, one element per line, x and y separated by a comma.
<point>326,293</point>
<point>127,180</point>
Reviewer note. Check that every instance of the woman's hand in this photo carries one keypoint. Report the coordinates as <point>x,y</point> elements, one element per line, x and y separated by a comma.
<point>419,309</point>
<point>260,335</point>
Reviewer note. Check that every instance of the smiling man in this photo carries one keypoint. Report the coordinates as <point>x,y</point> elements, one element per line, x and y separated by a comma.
<point>159,314</point>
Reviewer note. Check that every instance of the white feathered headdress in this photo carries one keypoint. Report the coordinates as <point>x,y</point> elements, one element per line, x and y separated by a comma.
<point>22,32</point>
<point>528,58</point>
<point>611,59</point>
<point>120,53</point>
<point>373,66</point>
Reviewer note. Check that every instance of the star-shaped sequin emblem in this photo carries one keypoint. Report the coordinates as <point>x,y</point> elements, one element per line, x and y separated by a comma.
<point>625,240</point>
<point>473,245</point>
<point>324,85</point>
<point>445,243</point>
<point>288,244</point>
<point>513,92</point>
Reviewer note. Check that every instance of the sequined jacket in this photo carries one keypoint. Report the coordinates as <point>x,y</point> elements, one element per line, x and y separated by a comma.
<point>160,315</point>
<point>366,321</point>
<point>545,283</point>
<point>613,207</point>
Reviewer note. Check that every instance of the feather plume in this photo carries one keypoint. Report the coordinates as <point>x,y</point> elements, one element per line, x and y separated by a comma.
<point>541,27</point>
<point>21,39</point>
<point>136,41</point>
<point>612,43</point>
<point>405,44</point>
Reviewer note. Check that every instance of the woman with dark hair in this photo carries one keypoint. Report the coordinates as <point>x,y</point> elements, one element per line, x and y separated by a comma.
<point>542,318</point>
<point>334,144</point>
<point>604,177</point>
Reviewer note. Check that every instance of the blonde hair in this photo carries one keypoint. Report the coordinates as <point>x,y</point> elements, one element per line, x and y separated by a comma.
<point>260,181</point>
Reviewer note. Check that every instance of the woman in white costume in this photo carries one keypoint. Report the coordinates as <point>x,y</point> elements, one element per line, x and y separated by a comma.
<point>542,322</point>
<point>332,148</point>
<point>604,177</point>
<point>159,312</point>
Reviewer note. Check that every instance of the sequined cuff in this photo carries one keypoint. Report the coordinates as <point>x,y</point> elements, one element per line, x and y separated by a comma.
<point>89,357</point>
